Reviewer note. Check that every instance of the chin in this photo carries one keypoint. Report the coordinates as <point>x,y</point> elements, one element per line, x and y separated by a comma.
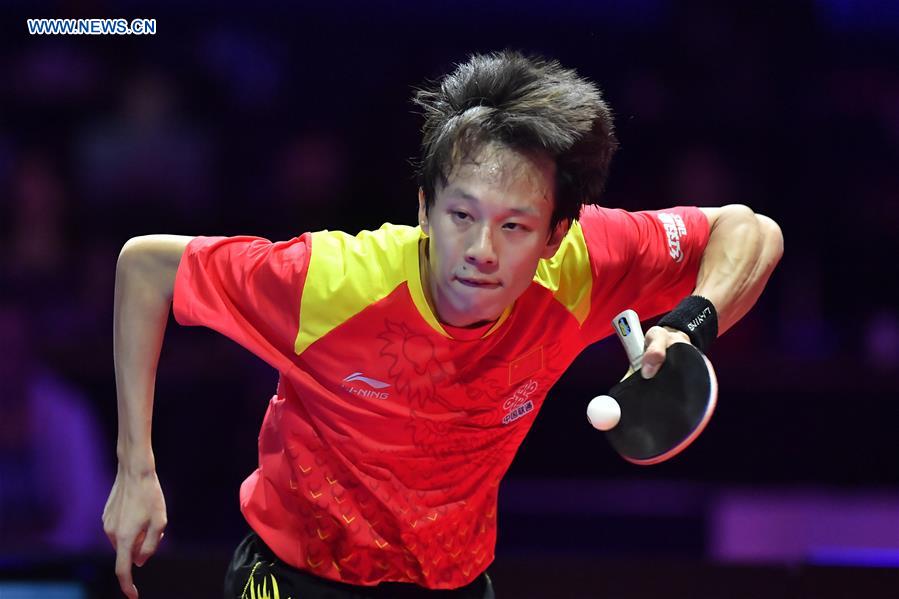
<point>480,313</point>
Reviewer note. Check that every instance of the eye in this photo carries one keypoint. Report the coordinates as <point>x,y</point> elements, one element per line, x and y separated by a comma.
<point>515,227</point>
<point>460,216</point>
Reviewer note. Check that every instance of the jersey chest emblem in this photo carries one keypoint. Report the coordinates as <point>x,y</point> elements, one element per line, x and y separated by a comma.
<point>526,366</point>
<point>520,403</point>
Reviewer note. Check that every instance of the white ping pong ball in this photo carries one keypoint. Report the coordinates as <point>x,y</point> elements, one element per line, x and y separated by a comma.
<point>603,412</point>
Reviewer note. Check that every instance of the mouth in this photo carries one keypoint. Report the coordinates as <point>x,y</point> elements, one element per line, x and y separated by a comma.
<point>478,283</point>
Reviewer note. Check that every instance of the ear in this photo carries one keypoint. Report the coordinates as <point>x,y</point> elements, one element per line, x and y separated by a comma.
<point>555,240</point>
<point>422,211</point>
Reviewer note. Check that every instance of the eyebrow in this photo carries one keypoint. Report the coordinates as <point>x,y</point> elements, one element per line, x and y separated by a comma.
<point>456,191</point>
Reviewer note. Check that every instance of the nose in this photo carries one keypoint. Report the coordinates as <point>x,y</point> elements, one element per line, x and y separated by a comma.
<point>481,251</point>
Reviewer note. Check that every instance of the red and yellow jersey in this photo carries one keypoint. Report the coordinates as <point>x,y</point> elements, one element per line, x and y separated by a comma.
<point>381,453</point>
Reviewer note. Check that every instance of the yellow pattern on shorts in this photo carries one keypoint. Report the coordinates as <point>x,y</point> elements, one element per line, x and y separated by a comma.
<point>256,590</point>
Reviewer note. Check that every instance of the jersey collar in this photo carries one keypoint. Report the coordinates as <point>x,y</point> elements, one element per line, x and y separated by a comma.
<point>415,256</point>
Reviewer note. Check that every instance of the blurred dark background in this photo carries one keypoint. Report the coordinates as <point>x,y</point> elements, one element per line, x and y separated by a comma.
<point>279,118</point>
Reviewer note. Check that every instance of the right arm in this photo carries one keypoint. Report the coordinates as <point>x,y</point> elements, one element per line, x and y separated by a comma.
<point>134,517</point>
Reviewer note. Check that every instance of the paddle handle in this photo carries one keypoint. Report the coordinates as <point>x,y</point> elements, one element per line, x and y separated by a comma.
<point>630,333</point>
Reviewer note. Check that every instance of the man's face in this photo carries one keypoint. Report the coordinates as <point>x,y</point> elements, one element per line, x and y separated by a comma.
<point>488,228</point>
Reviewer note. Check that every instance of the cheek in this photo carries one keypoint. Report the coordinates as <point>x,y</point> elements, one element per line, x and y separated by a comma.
<point>521,258</point>
<point>522,267</point>
<point>442,257</point>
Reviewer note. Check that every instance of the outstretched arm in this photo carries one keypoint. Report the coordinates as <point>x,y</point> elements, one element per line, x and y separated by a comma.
<point>134,517</point>
<point>742,252</point>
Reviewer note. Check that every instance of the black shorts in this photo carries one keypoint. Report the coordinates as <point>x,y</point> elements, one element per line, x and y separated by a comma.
<point>255,567</point>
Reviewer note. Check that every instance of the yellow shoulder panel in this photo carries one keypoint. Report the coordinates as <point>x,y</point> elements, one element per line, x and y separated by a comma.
<point>568,274</point>
<point>348,273</point>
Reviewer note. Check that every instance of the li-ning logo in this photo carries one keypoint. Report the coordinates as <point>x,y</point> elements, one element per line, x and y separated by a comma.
<point>674,229</point>
<point>374,384</point>
<point>520,404</point>
<point>694,324</point>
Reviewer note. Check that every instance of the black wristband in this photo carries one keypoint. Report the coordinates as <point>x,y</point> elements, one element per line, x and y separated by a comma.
<point>697,317</point>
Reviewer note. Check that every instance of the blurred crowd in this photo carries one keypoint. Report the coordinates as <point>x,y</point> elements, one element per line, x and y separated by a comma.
<point>237,126</point>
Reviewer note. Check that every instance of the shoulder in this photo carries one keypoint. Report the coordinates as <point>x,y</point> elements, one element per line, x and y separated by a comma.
<point>347,273</point>
<point>383,247</point>
<point>610,224</point>
<point>568,275</point>
<point>600,235</point>
<point>616,234</point>
<point>370,259</point>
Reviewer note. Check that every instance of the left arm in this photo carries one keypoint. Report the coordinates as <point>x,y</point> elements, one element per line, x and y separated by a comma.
<point>742,252</point>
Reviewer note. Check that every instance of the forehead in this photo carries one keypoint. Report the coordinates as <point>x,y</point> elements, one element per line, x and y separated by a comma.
<point>498,172</point>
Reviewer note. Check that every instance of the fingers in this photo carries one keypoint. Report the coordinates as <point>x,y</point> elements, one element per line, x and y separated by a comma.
<point>654,354</point>
<point>657,341</point>
<point>134,519</point>
<point>150,542</point>
<point>123,568</point>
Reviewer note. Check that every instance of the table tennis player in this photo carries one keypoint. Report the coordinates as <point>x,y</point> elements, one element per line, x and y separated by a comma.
<point>413,360</point>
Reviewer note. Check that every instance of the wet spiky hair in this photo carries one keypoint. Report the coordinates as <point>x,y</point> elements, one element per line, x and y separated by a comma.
<point>527,103</point>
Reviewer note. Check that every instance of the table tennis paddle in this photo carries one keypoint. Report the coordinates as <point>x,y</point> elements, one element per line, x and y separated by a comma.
<point>660,416</point>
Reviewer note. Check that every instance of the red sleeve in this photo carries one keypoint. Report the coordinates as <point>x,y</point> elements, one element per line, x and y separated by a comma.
<point>246,288</point>
<point>647,261</point>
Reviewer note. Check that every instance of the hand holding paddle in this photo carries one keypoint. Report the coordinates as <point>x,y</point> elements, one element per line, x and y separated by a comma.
<point>648,421</point>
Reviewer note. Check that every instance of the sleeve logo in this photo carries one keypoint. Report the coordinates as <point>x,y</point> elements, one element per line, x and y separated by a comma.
<point>674,230</point>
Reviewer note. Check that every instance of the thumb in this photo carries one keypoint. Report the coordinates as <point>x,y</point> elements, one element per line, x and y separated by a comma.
<point>653,357</point>
<point>650,368</point>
